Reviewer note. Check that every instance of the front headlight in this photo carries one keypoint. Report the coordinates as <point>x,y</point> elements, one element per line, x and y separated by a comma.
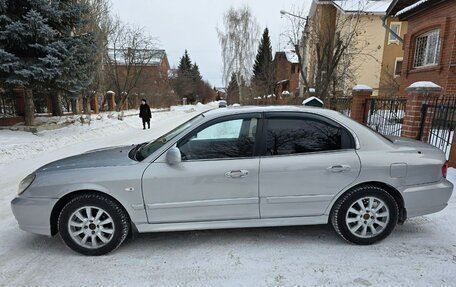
<point>25,183</point>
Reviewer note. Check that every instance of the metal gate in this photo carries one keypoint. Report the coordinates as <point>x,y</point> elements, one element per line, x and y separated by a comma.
<point>340,104</point>
<point>7,105</point>
<point>385,115</point>
<point>438,120</point>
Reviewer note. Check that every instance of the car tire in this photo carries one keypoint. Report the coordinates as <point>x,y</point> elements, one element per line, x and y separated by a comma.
<point>93,224</point>
<point>365,215</point>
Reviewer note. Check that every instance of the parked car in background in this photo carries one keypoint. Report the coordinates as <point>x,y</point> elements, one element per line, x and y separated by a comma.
<point>235,168</point>
<point>222,104</point>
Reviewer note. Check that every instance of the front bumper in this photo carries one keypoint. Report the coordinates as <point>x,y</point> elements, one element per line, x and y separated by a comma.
<point>33,214</point>
<point>426,198</point>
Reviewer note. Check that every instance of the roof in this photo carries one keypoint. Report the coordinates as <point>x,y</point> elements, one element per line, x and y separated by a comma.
<point>292,57</point>
<point>149,57</point>
<point>366,6</point>
<point>415,8</point>
<point>309,99</point>
<point>376,7</point>
<point>398,5</point>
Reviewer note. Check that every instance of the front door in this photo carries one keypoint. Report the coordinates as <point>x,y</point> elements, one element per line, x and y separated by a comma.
<point>216,180</point>
<point>307,159</point>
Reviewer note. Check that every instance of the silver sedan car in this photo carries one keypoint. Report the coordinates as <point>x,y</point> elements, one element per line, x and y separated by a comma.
<point>236,168</point>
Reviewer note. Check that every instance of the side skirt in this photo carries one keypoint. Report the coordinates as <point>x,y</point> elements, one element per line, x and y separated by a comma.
<point>223,224</point>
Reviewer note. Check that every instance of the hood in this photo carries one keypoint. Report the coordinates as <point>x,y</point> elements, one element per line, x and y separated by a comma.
<point>114,156</point>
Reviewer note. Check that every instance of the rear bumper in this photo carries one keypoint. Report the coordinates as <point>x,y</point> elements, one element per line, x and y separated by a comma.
<point>426,198</point>
<point>33,214</point>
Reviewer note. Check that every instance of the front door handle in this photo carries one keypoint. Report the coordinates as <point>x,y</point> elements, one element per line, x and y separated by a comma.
<point>237,173</point>
<point>339,168</point>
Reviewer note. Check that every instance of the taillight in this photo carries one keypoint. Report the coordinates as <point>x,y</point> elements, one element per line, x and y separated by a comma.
<point>444,169</point>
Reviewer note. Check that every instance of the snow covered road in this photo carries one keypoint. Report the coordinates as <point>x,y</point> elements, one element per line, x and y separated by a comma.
<point>422,252</point>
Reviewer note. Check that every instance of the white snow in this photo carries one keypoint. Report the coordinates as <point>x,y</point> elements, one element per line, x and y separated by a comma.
<point>362,88</point>
<point>408,8</point>
<point>422,252</point>
<point>292,57</point>
<point>310,99</point>
<point>424,84</point>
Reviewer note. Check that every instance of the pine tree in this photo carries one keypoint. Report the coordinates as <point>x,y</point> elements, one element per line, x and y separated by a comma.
<point>40,49</point>
<point>185,64</point>
<point>196,75</point>
<point>189,81</point>
<point>232,92</point>
<point>263,70</point>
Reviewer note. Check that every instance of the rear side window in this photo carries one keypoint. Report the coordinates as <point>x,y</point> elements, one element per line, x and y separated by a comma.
<point>295,135</point>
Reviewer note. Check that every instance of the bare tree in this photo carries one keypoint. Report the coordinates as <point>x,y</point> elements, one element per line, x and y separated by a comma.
<point>331,43</point>
<point>298,36</point>
<point>130,51</point>
<point>99,22</point>
<point>238,41</point>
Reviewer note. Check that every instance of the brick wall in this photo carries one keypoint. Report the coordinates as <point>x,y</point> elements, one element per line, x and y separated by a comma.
<point>286,71</point>
<point>153,83</point>
<point>442,16</point>
<point>11,121</point>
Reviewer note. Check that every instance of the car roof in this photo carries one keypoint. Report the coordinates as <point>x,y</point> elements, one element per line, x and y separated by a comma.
<point>218,112</point>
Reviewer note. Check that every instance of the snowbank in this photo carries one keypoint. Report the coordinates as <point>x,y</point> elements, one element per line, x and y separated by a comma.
<point>81,128</point>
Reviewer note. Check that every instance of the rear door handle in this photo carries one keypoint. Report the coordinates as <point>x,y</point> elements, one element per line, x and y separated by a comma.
<point>339,168</point>
<point>237,173</point>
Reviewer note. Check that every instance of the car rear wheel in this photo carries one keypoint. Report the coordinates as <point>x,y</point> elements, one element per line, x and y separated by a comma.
<point>365,215</point>
<point>93,224</point>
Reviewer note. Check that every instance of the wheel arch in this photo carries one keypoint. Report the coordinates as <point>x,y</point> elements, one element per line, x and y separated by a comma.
<point>388,188</point>
<point>58,206</point>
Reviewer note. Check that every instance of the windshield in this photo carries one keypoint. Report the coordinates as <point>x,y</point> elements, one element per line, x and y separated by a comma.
<point>149,148</point>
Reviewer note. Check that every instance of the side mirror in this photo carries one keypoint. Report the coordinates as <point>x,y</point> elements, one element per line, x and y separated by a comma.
<point>173,156</point>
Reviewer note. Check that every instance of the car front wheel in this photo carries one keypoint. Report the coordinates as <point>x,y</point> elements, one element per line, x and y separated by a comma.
<point>93,224</point>
<point>365,215</point>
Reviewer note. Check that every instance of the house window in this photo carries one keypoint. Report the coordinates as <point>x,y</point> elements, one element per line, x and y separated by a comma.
<point>398,67</point>
<point>427,48</point>
<point>396,27</point>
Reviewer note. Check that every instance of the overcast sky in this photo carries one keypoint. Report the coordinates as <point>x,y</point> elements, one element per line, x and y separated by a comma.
<point>191,25</point>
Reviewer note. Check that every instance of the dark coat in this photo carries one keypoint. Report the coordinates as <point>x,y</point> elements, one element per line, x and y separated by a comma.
<point>144,112</point>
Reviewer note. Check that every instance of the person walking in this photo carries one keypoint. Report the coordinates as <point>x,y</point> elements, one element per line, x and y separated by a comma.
<point>145,114</point>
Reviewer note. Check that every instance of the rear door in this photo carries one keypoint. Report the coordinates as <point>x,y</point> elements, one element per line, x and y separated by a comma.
<point>306,160</point>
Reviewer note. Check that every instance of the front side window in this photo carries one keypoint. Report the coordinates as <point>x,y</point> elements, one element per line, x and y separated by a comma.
<point>290,135</point>
<point>147,149</point>
<point>427,47</point>
<point>227,139</point>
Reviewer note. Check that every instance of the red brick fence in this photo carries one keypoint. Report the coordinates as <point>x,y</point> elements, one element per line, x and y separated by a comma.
<point>413,119</point>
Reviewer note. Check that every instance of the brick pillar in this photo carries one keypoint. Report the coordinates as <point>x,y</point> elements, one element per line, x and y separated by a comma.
<point>20,102</point>
<point>417,94</point>
<point>50,106</point>
<point>125,105</point>
<point>452,157</point>
<point>111,100</point>
<point>94,104</point>
<point>360,94</point>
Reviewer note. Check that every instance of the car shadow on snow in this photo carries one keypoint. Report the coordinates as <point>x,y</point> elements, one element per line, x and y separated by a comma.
<point>294,236</point>
<point>290,235</point>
